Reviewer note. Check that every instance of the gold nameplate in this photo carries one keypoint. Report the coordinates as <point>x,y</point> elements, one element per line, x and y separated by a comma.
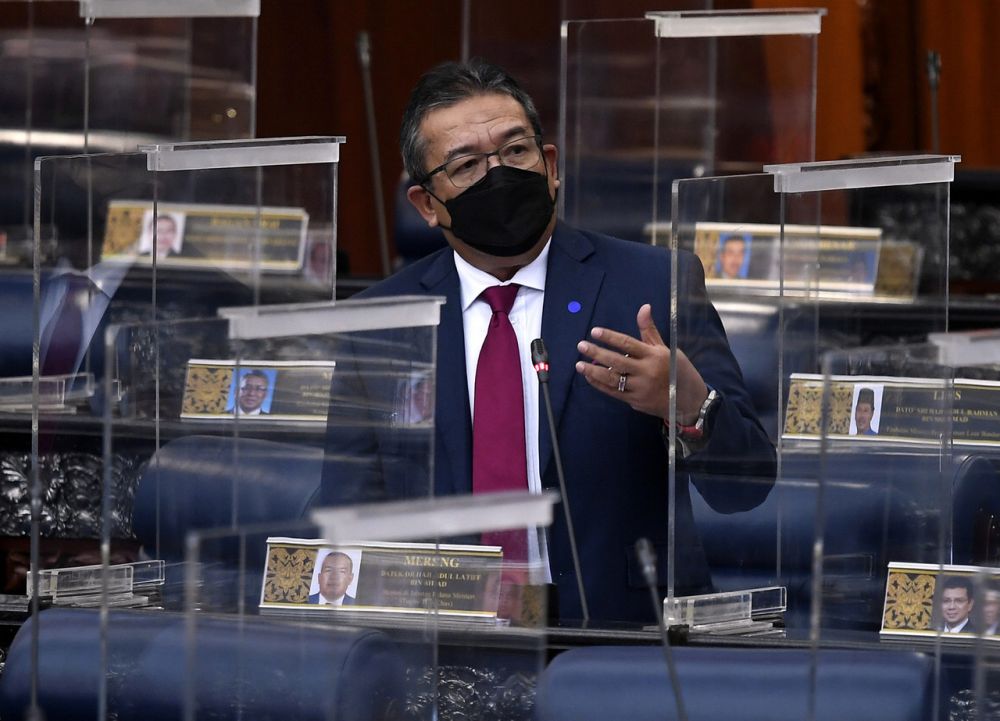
<point>903,410</point>
<point>230,237</point>
<point>825,261</point>
<point>261,390</point>
<point>453,580</point>
<point>952,602</point>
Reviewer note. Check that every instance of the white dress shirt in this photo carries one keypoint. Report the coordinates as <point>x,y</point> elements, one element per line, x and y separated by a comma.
<point>526,318</point>
<point>237,411</point>
<point>956,629</point>
<point>324,601</point>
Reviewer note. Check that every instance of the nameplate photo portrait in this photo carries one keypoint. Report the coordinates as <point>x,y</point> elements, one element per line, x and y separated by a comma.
<point>228,237</point>
<point>459,581</point>
<point>257,389</point>
<point>895,409</point>
<point>825,261</point>
<point>949,601</point>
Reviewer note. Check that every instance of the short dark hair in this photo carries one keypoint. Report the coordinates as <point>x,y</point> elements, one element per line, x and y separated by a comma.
<point>331,554</point>
<point>444,86</point>
<point>254,374</point>
<point>957,582</point>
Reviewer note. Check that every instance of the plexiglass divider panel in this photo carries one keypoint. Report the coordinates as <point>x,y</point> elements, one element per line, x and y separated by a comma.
<point>180,70</point>
<point>745,550</point>
<point>266,415</point>
<point>905,497</point>
<point>889,440</point>
<point>677,95</point>
<point>434,623</point>
<point>145,238</point>
<point>291,500</point>
<point>177,231</point>
<point>105,75</point>
<point>815,245</point>
<point>903,459</point>
<point>251,420</point>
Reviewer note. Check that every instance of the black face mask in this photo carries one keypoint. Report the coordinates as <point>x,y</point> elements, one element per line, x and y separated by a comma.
<point>504,214</point>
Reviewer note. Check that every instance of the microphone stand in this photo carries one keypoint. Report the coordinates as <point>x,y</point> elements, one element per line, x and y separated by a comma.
<point>647,561</point>
<point>933,82</point>
<point>540,359</point>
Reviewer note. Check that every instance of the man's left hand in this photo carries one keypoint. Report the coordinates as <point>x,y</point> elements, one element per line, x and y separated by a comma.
<point>645,364</point>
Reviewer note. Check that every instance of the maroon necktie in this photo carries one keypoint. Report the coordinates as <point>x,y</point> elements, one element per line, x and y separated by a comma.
<point>499,457</point>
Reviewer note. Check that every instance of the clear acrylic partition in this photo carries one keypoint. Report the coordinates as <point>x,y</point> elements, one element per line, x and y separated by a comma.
<point>178,230</point>
<point>488,27</point>
<point>832,256</point>
<point>107,75</point>
<point>324,403</point>
<point>175,232</point>
<point>452,629</point>
<point>678,95</point>
<point>259,515</point>
<point>904,502</point>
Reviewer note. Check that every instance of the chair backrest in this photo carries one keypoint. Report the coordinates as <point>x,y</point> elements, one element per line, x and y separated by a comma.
<point>876,510</point>
<point>203,482</point>
<point>231,667</point>
<point>411,234</point>
<point>722,684</point>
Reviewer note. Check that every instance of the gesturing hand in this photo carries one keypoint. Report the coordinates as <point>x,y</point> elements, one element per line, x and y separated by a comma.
<point>637,370</point>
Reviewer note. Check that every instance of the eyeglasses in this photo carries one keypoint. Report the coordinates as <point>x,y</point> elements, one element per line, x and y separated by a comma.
<point>467,170</point>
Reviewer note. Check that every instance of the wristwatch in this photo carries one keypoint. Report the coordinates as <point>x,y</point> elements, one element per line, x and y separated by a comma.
<point>695,437</point>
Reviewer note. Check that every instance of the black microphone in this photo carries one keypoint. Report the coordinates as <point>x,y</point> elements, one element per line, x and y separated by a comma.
<point>647,563</point>
<point>540,360</point>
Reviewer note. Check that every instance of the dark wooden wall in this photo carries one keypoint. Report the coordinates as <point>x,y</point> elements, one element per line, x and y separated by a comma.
<point>310,83</point>
<point>872,85</point>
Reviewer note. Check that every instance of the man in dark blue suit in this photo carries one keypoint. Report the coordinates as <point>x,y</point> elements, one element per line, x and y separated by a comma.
<point>336,572</point>
<point>471,142</point>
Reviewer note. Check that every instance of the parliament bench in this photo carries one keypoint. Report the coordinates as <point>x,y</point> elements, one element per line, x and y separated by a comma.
<point>159,663</point>
<point>749,684</point>
<point>878,506</point>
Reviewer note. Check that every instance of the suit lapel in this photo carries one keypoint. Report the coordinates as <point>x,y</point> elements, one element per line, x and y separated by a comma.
<point>571,290</point>
<point>451,416</point>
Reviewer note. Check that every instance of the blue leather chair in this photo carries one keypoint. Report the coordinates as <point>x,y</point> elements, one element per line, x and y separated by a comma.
<point>200,483</point>
<point>752,328</point>
<point>878,507</point>
<point>230,668</point>
<point>412,236</point>
<point>723,684</point>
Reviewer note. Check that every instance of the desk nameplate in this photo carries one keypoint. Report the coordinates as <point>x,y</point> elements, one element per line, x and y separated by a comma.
<point>902,410</point>
<point>460,581</point>
<point>947,601</point>
<point>231,237</point>
<point>257,390</point>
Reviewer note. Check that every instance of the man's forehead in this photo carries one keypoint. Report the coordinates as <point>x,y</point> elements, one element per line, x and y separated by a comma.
<point>480,120</point>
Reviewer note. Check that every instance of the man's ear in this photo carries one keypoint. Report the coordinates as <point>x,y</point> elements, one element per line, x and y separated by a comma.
<point>421,200</point>
<point>551,154</point>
